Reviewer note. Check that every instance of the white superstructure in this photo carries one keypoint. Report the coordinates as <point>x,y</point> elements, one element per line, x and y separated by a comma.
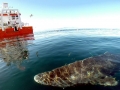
<point>10,17</point>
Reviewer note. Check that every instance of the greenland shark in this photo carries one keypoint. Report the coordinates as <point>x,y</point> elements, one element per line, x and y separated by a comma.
<point>97,70</point>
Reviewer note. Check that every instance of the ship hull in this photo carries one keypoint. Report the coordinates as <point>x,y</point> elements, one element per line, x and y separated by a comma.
<point>8,32</point>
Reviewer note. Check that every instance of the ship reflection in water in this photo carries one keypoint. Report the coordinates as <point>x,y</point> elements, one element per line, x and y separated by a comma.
<point>13,50</point>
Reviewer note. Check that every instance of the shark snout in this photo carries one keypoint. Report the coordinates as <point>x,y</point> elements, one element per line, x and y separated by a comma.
<point>36,78</point>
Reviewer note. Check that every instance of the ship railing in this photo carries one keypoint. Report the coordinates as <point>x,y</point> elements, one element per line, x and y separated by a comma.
<point>5,25</point>
<point>26,24</point>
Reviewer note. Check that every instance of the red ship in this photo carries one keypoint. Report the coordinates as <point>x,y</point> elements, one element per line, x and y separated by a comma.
<point>11,24</point>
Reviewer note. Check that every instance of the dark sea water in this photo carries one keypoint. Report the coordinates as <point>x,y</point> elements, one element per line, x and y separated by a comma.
<point>49,50</point>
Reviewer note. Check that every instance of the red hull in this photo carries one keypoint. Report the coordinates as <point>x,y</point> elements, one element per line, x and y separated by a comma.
<point>9,32</point>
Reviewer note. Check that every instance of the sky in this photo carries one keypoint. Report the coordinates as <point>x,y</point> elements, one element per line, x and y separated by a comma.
<point>55,14</point>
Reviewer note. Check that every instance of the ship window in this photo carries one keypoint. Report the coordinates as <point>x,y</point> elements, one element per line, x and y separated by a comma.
<point>8,11</point>
<point>16,16</point>
<point>13,17</point>
<point>12,11</point>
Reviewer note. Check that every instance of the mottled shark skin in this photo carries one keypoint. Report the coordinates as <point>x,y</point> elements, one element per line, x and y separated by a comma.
<point>96,70</point>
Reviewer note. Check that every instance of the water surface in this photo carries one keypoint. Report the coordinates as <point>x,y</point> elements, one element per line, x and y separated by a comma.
<point>50,50</point>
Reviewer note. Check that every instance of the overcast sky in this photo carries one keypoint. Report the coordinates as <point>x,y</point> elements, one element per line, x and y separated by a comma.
<point>52,14</point>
